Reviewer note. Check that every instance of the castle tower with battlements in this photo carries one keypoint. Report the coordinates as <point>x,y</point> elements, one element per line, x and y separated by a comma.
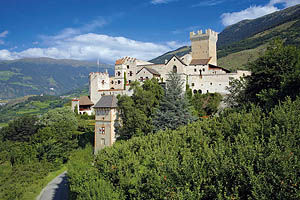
<point>98,81</point>
<point>204,45</point>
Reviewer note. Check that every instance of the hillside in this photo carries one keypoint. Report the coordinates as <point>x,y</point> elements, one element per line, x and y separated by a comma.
<point>35,76</point>
<point>244,41</point>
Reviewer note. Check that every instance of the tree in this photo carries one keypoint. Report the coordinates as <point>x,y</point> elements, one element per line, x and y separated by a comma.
<point>136,112</point>
<point>275,75</point>
<point>20,129</point>
<point>173,110</point>
<point>237,96</point>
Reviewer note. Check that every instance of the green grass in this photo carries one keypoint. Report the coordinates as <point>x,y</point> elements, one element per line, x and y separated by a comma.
<point>6,75</point>
<point>25,85</point>
<point>239,60</point>
<point>3,124</point>
<point>35,189</point>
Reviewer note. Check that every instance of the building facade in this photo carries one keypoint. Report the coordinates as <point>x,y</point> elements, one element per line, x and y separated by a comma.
<point>198,69</point>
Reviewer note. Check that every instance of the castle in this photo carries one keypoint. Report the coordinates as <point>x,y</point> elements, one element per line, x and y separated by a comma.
<point>198,69</point>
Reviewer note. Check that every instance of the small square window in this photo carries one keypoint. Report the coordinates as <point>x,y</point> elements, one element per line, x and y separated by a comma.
<point>193,84</point>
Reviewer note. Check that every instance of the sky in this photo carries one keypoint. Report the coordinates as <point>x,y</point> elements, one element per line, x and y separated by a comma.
<point>111,29</point>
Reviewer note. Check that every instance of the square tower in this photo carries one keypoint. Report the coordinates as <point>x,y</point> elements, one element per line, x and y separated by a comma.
<point>204,45</point>
<point>106,114</point>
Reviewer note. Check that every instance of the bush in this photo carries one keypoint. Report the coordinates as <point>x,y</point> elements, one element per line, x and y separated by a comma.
<point>239,155</point>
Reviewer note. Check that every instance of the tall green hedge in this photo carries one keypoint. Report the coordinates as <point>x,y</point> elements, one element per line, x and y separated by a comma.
<point>238,155</point>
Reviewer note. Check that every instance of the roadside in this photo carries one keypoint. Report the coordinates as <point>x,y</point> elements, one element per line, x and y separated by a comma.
<point>57,189</point>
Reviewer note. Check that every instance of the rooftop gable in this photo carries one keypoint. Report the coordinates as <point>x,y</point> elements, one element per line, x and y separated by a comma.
<point>109,101</point>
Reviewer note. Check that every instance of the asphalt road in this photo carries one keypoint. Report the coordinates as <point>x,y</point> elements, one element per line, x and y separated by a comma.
<point>57,189</point>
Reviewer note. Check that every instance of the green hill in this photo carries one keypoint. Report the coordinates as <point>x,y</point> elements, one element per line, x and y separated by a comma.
<point>244,41</point>
<point>35,76</point>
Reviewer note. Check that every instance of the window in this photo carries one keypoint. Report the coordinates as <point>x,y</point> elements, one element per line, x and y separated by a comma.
<point>130,73</point>
<point>174,59</point>
<point>174,69</point>
<point>119,73</point>
<point>129,81</point>
<point>102,141</point>
<point>210,83</point>
<point>119,82</point>
<point>112,82</point>
<point>103,82</point>
<point>193,84</point>
<point>195,91</point>
<point>102,130</point>
<point>200,91</point>
<point>127,66</point>
<point>207,91</point>
<point>195,70</point>
<point>147,78</point>
<point>203,69</point>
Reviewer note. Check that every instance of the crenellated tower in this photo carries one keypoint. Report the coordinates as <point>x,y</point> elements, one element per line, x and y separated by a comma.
<point>98,81</point>
<point>204,45</point>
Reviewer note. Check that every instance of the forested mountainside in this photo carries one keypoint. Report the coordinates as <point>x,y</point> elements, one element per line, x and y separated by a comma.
<point>35,76</point>
<point>243,42</point>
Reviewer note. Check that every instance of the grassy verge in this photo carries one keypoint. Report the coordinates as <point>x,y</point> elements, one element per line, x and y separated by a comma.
<point>34,190</point>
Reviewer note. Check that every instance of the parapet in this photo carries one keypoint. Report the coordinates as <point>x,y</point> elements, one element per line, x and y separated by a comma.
<point>208,33</point>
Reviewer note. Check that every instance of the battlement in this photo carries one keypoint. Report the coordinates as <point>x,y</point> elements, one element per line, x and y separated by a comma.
<point>208,33</point>
<point>100,74</point>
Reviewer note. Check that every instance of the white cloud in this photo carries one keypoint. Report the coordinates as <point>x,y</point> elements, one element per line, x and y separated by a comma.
<point>161,1</point>
<point>3,34</point>
<point>93,46</point>
<point>249,13</point>
<point>254,12</point>
<point>69,32</point>
<point>208,3</point>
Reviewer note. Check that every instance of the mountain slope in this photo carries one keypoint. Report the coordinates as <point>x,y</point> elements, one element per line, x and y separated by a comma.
<point>32,76</point>
<point>243,42</point>
<point>248,28</point>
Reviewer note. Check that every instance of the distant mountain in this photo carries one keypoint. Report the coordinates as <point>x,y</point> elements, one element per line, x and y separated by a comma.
<point>34,76</point>
<point>243,42</point>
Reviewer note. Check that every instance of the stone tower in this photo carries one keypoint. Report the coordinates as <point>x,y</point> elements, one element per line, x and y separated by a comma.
<point>98,81</point>
<point>204,45</point>
<point>106,115</point>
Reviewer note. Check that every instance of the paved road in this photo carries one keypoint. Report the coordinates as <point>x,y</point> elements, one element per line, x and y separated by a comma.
<point>57,189</point>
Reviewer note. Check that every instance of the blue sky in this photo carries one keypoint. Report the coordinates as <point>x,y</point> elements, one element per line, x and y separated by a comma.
<point>111,29</point>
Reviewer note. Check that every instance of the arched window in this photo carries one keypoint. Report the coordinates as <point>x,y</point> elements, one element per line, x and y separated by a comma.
<point>174,69</point>
<point>200,91</point>
<point>119,73</point>
<point>195,91</point>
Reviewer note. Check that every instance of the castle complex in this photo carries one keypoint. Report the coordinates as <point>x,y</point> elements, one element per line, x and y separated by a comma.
<point>198,69</point>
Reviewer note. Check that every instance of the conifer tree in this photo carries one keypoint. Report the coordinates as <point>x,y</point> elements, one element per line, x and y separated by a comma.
<point>174,106</point>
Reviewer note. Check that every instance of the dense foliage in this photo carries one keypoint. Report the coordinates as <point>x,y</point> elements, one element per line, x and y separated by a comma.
<point>136,112</point>
<point>31,147</point>
<point>275,75</point>
<point>173,110</point>
<point>238,155</point>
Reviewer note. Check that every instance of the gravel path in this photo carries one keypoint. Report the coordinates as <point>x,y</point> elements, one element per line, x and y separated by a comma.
<point>57,189</point>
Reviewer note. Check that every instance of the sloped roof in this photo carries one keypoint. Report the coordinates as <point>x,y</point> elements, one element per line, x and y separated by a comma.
<point>177,59</point>
<point>152,71</point>
<point>109,101</point>
<point>85,101</point>
<point>200,61</point>
<point>123,60</point>
<point>217,67</point>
